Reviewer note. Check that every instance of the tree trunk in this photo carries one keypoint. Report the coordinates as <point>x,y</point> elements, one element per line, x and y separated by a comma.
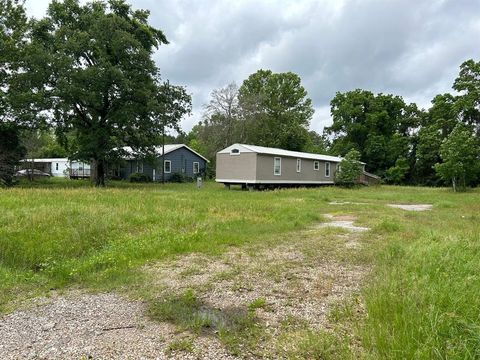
<point>97,172</point>
<point>100,173</point>
<point>454,184</point>
<point>30,173</point>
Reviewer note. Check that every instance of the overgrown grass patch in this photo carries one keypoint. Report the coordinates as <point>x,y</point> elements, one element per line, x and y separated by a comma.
<point>74,234</point>
<point>298,341</point>
<point>184,344</point>
<point>422,299</point>
<point>426,301</point>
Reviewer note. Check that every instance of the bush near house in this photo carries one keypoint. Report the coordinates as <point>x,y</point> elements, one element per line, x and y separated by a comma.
<point>139,178</point>
<point>350,169</point>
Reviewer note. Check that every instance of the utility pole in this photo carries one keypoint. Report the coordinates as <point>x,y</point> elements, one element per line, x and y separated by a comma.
<point>167,89</point>
<point>163,151</point>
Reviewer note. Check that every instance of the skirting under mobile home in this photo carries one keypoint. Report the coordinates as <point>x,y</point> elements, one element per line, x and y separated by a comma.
<point>257,166</point>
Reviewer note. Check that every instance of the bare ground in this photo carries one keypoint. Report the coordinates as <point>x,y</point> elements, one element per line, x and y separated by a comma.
<point>412,207</point>
<point>301,279</point>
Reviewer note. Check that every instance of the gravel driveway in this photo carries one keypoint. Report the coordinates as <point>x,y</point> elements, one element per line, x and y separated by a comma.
<point>295,280</point>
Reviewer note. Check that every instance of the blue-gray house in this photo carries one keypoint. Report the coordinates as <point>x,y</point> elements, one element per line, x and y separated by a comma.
<point>178,159</point>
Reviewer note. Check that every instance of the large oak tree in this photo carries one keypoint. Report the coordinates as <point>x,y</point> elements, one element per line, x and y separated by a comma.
<point>89,68</point>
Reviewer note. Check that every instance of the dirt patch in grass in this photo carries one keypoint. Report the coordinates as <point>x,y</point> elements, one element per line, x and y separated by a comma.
<point>342,221</point>
<point>412,207</point>
<point>347,203</point>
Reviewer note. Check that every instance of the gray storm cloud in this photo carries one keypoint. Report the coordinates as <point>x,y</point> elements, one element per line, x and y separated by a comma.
<point>409,48</point>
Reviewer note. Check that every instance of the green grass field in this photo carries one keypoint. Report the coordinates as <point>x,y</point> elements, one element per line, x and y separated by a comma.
<point>421,299</point>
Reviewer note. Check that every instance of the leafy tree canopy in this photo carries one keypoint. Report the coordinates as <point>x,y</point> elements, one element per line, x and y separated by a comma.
<point>350,169</point>
<point>396,174</point>
<point>460,156</point>
<point>276,109</point>
<point>379,126</point>
<point>468,84</point>
<point>437,124</point>
<point>13,26</point>
<point>89,70</point>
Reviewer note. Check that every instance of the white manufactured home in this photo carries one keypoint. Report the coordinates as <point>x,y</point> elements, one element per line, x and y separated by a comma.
<point>257,166</point>
<point>58,167</point>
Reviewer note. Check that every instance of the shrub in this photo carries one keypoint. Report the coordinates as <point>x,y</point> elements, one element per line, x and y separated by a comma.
<point>179,178</point>
<point>350,169</point>
<point>396,174</point>
<point>139,177</point>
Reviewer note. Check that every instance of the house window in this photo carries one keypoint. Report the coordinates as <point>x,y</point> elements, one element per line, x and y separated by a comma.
<point>196,167</point>
<point>316,165</point>
<point>167,166</point>
<point>299,165</point>
<point>234,152</point>
<point>327,169</point>
<point>56,166</point>
<point>139,167</point>
<point>153,174</point>
<point>277,166</point>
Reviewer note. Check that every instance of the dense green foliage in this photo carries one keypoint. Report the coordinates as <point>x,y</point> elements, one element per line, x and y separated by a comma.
<point>350,169</point>
<point>91,67</point>
<point>276,109</point>
<point>13,23</point>
<point>139,178</point>
<point>11,151</point>
<point>376,125</point>
<point>468,84</point>
<point>459,152</point>
<point>400,142</point>
<point>12,29</point>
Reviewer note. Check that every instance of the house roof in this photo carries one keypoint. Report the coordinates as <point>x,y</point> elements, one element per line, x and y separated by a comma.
<point>46,160</point>
<point>279,152</point>
<point>168,149</point>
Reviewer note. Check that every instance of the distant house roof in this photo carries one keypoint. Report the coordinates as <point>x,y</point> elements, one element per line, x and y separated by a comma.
<point>279,152</point>
<point>168,149</point>
<point>45,160</point>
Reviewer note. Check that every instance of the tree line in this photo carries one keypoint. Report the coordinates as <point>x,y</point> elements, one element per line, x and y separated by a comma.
<point>82,82</point>
<point>398,141</point>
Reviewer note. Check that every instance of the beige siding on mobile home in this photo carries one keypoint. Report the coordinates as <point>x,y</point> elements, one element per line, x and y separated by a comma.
<point>250,165</point>
<point>307,173</point>
<point>242,166</point>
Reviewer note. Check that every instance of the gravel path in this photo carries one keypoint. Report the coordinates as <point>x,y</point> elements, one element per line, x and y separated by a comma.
<point>108,326</point>
<point>103,326</point>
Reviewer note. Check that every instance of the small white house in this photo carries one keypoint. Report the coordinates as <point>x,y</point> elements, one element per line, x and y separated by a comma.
<point>58,167</point>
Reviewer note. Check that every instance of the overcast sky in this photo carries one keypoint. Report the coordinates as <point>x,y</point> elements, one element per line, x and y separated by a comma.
<point>411,48</point>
